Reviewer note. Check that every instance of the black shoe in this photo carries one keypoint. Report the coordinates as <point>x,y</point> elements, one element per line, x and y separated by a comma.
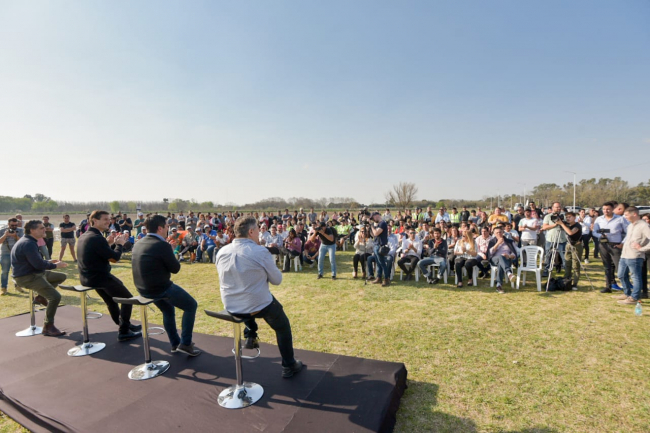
<point>334,277</point>
<point>135,328</point>
<point>252,343</point>
<point>436,280</point>
<point>319,277</point>
<point>606,290</point>
<point>188,350</point>
<point>288,372</point>
<point>128,336</point>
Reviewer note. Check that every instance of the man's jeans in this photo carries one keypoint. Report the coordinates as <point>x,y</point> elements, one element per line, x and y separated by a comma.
<point>324,249</point>
<point>634,267</point>
<point>505,267</point>
<point>560,250</point>
<point>435,260</point>
<point>382,266</point>
<point>274,315</point>
<point>175,296</point>
<point>5,261</point>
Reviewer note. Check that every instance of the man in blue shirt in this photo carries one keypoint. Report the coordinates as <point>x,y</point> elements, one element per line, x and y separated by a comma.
<point>207,242</point>
<point>34,273</point>
<point>610,230</point>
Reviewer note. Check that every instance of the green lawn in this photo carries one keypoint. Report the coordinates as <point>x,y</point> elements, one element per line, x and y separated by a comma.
<point>477,361</point>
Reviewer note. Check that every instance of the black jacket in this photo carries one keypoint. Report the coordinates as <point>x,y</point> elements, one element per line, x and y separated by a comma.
<point>153,263</point>
<point>93,254</point>
<point>26,259</point>
<point>509,242</point>
<point>441,251</point>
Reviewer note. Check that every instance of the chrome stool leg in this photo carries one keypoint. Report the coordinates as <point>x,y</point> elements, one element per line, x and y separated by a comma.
<point>243,394</point>
<point>86,348</point>
<point>33,329</point>
<point>149,369</point>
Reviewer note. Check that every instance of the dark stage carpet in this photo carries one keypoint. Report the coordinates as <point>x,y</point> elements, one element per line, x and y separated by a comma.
<point>45,390</point>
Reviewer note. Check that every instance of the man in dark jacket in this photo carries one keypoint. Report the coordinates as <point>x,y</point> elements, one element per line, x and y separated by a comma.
<point>501,252</point>
<point>153,263</point>
<point>94,253</point>
<point>437,252</point>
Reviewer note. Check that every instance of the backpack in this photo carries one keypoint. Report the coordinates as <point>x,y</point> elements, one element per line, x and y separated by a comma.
<point>559,285</point>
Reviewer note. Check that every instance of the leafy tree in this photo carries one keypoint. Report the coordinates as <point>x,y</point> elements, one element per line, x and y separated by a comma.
<point>115,206</point>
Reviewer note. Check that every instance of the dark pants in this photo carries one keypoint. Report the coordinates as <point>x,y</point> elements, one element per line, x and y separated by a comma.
<point>287,255</point>
<point>49,243</point>
<point>360,258</point>
<point>596,246</point>
<point>274,250</point>
<point>411,260</point>
<point>111,287</point>
<point>309,261</point>
<point>175,297</point>
<point>644,276</point>
<point>274,315</point>
<point>610,257</point>
<point>585,245</point>
<point>467,264</point>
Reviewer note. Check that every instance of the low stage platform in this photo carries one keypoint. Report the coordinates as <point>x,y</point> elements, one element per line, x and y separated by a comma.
<point>45,390</point>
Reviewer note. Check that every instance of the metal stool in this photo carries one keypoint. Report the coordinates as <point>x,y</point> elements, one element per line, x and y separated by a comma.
<point>87,347</point>
<point>149,369</point>
<point>243,394</point>
<point>33,329</point>
<point>93,314</point>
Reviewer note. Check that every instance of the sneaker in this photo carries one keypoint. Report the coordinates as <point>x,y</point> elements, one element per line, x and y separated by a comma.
<point>288,372</point>
<point>376,281</point>
<point>574,288</point>
<point>126,336</point>
<point>616,287</point>
<point>606,290</point>
<point>135,328</point>
<point>3,291</point>
<point>586,261</point>
<point>629,301</point>
<point>620,297</point>
<point>334,277</point>
<point>175,349</point>
<point>319,277</point>
<point>188,350</point>
<point>544,274</point>
<point>386,283</point>
<point>511,277</point>
<point>252,343</point>
<point>354,275</point>
<point>436,280</point>
<point>500,290</point>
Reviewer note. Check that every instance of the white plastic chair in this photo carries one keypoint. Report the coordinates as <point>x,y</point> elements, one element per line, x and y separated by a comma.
<point>433,270</point>
<point>534,257</point>
<point>493,276</point>
<point>296,262</point>
<point>417,273</point>
<point>474,275</point>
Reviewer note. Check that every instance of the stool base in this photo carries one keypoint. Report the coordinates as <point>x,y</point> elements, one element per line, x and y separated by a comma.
<point>240,396</point>
<point>148,371</point>
<point>30,332</point>
<point>86,349</point>
<point>93,315</point>
<point>155,330</point>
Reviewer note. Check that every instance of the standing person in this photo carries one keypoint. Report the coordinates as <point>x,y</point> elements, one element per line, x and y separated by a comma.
<point>594,214</point>
<point>633,254</point>
<point>34,273</point>
<point>464,215</point>
<point>84,225</point>
<point>585,224</point>
<point>573,254</point>
<point>153,263</point>
<point>95,252</point>
<point>181,220</point>
<point>139,223</point>
<point>437,251</point>
<point>245,270</point>
<point>327,237</point>
<point>610,230</point>
<point>49,234</point>
<point>67,237</point>
<point>554,235</point>
<point>9,236</point>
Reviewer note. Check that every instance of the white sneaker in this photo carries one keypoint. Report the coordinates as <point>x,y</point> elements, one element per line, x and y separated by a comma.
<point>511,277</point>
<point>575,288</point>
<point>586,261</point>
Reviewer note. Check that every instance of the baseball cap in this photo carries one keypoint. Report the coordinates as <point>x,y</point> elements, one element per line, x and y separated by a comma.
<point>198,229</point>
<point>207,226</point>
<point>174,229</point>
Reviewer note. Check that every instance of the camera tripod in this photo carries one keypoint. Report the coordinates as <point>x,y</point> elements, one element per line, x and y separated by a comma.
<point>554,248</point>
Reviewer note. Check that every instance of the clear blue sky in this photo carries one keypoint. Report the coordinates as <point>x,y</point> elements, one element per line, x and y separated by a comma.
<point>238,101</point>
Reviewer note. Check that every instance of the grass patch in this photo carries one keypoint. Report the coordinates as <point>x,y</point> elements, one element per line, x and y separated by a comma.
<point>477,361</point>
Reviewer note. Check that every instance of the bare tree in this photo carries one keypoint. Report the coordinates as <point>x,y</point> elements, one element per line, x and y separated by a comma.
<point>402,195</point>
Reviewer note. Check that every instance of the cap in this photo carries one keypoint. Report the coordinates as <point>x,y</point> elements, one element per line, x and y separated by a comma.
<point>113,231</point>
<point>140,214</point>
<point>198,229</point>
<point>125,231</point>
<point>174,229</point>
<point>207,226</point>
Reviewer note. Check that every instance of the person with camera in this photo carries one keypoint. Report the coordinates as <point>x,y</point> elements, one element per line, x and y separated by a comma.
<point>573,254</point>
<point>95,258</point>
<point>501,253</point>
<point>633,255</point>
<point>9,237</point>
<point>32,272</point>
<point>555,237</point>
<point>437,251</point>
<point>610,230</point>
<point>327,236</point>
<point>379,231</point>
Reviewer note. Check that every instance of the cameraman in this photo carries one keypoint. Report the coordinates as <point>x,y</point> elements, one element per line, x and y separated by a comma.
<point>327,236</point>
<point>553,233</point>
<point>610,230</point>
<point>573,254</point>
<point>379,231</point>
<point>8,238</point>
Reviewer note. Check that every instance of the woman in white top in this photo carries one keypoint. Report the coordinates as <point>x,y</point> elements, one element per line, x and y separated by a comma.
<point>585,222</point>
<point>465,256</point>
<point>363,248</point>
<point>452,240</point>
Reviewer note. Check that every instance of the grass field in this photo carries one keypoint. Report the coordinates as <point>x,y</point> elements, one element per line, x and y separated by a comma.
<point>477,361</point>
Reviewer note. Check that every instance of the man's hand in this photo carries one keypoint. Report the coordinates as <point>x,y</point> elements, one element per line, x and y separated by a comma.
<point>111,239</point>
<point>61,264</point>
<point>636,246</point>
<point>121,239</point>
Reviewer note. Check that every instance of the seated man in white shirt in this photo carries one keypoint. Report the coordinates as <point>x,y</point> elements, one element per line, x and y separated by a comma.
<point>411,252</point>
<point>245,270</point>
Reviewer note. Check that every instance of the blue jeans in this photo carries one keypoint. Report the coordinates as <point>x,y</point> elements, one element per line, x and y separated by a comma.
<point>547,260</point>
<point>425,263</point>
<point>176,297</point>
<point>5,261</point>
<point>324,249</point>
<point>382,268</point>
<point>504,266</point>
<point>634,267</point>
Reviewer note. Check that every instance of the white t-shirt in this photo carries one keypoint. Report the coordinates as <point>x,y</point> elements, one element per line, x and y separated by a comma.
<point>528,234</point>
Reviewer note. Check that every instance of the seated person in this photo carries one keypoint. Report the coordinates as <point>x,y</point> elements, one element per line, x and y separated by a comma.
<point>207,244</point>
<point>264,234</point>
<point>128,244</point>
<point>411,251</point>
<point>497,217</point>
<point>221,240</point>
<point>481,250</point>
<point>437,254</point>
<point>511,233</point>
<point>310,253</point>
<point>393,244</point>
<point>501,253</point>
<point>292,247</point>
<point>245,270</point>
<point>343,229</point>
<point>282,233</point>
<point>143,233</point>
<point>274,241</point>
<point>32,272</point>
<point>466,254</point>
<point>153,264</point>
<point>174,239</point>
<point>190,244</point>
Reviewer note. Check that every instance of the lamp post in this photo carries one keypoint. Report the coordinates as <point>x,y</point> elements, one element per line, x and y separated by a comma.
<point>574,189</point>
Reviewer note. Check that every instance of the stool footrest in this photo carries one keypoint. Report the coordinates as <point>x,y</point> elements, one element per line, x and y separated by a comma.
<point>77,288</point>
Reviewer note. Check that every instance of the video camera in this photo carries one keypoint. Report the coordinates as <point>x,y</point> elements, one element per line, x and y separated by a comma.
<point>603,234</point>
<point>555,217</point>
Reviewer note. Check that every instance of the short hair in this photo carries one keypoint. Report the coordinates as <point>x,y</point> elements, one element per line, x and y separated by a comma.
<point>45,216</point>
<point>12,220</point>
<point>610,204</point>
<point>498,227</point>
<point>244,225</point>
<point>31,224</point>
<point>632,210</point>
<point>66,215</point>
<point>437,230</point>
<point>97,215</point>
<point>625,205</point>
<point>570,214</point>
<point>153,222</point>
